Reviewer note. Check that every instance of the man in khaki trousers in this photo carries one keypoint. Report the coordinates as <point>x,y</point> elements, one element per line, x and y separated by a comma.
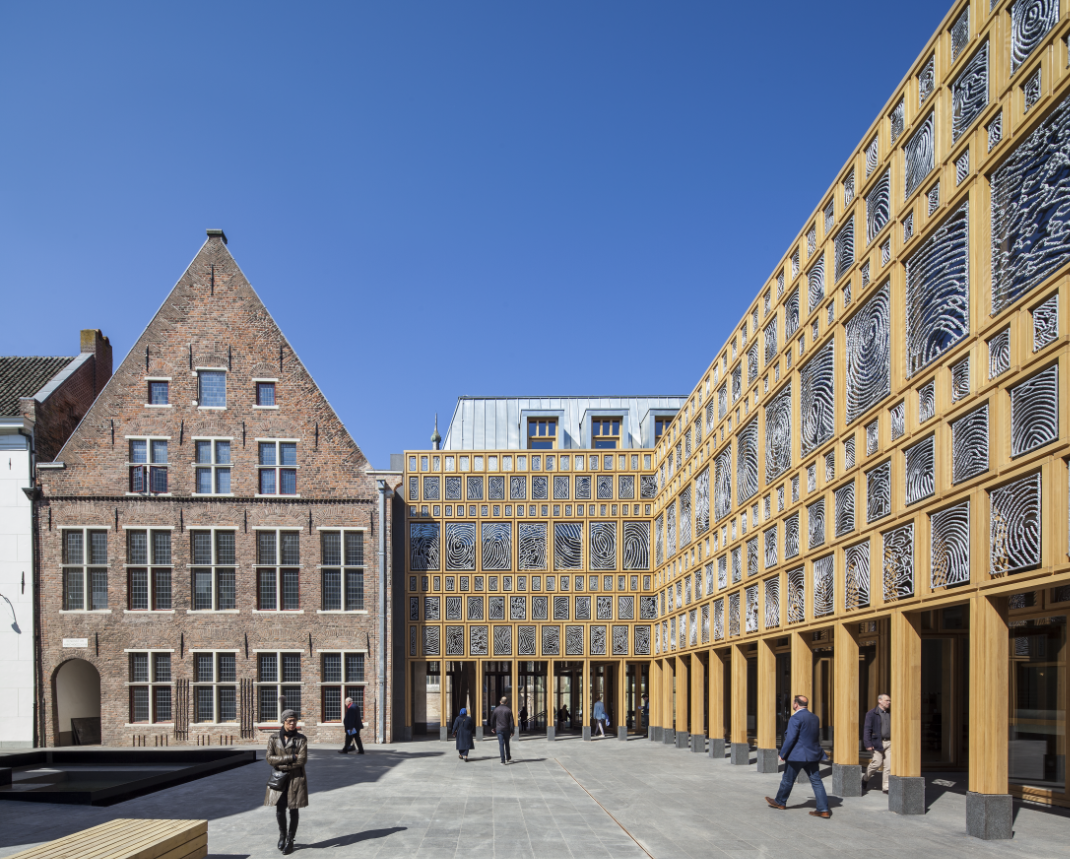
<point>877,737</point>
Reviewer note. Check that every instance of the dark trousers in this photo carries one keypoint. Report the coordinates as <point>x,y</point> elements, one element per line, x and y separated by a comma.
<point>503,746</point>
<point>791,772</point>
<point>280,816</point>
<point>350,739</point>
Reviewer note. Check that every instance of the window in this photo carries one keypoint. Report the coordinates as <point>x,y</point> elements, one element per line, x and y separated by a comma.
<point>343,677</point>
<point>148,570</point>
<point>278,681</point>
<point>85,569</point>
<point>213,466</point>
<point>215,696</point>
<point>278,558</point>
<point>278,468</point>
<point>605,433</point>
<point>542,433</point>
<point>150,687</point>
<point>212,389</point>
<point>148,465</point>
<point>212,552</point>
<point>343,578</point>
<point>265,393</point>
<point>660,425</point>
<point>159,392</point>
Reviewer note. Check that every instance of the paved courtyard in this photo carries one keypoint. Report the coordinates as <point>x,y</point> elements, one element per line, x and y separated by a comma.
<point>556,800</point>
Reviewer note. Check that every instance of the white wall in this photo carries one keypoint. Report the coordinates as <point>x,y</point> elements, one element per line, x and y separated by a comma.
<point>77,692</point>
<point>16,606</point>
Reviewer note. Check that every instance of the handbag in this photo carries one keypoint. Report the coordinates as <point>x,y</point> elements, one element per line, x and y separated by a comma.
<point>278,780</point>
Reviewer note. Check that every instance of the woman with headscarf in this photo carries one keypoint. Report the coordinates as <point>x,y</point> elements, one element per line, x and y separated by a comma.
<point>287,753</point>
<point>464,727</point>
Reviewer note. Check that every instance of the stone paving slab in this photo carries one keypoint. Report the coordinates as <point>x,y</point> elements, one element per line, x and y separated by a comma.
<point>556,800</point>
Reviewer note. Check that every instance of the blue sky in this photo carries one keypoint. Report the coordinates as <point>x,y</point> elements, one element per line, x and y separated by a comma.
<point>433,199</point>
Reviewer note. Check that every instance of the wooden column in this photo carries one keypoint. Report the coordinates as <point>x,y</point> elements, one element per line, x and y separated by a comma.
<point>802,666</point>
<point>737,733</point>
<point>551,698</point>
<point>585,700</point>
<point>766,700</point>
<point>654,688</point>
<point>716,705</point>
<point>620,718</point>
<point>845,694</point>
<point>906,695</point>
<point>443,716</point>
<point>989,691</point>
<point>698,699</point>
<point>479,715</point>
<point>683,688</point>
<point>514,695</point>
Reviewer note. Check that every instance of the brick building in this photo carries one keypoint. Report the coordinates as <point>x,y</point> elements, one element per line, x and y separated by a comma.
<point>211,539</point>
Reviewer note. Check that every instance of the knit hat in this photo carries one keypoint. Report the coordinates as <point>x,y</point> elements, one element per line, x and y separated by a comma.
<point>287,714</point>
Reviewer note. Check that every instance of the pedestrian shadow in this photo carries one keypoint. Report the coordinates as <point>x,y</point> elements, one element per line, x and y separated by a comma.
<point>348,840</point>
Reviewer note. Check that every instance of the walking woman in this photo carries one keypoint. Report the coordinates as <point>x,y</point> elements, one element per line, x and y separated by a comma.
<point>464,727</point>
<point>287,753</point>
<point>600,717</point>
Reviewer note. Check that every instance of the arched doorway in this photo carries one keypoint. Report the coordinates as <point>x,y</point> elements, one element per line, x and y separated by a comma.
<point>77,703</point>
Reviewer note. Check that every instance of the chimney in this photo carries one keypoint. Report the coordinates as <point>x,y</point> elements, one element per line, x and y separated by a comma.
<point>100,347</point>
<point>217,234</point>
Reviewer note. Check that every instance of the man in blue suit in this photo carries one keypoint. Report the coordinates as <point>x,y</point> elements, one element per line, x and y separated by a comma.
<point>802,751</point>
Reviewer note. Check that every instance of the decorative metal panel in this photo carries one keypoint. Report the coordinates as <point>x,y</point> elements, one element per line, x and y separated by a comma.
<point>752,609</point>
<point>969,93</point>
<point>737,564</point>
<point>898,420</point>
<point>475,608</point>
<point>641,640</point>
<point>532,555</point>
<point>659,540</point>
<point>969,445</point>
<point>518,608</point>
<point>1030,22</point>
<point>960,34</point>
<point>702,502</point>
<point>568,545</point>
<point>583,487</point>
<point>938,298</point>
<point>815,283</point>
<point>497,546</point>
<point>845,247</point>
<point>926,402</point>
<point>771,344</point>
<point>636,546</point>
<point>845,509</point>
<point>573,641</point>
<point>879,492</point>
<point>496,608</point>
<point>962,166</point>
<point>453,608</point>
<point>849,453</point>
<point>706,624</point>
<point>603,548</point>
<point>478,640</point>
<point>995,131</point>
<point>747,462</point>
<point>896,121</point>
<point>796,595</point>
<point>733,614</point>
<point>950,558</point>
<point>869,357</point>
<point>431,488</point>
<point>605,487</point>
<point>791,536</point>
<point>1046,323</point>
<point>551,641</point>
<point>685,516</point>
<point>752,363</point>
<point>878,206</point>
<point>722,401</point>
<point>670,529</point>
<point>920,155</point>
<point>718,619</point>
<point>496,487</point>
<point>453,489</point>
<point>1031,89</point>
<point>561,487</point>
<point>960,380</point>
<point>737,382</point>
<point>1014,526</point>
<point>1031,209</point>
<point>583,608</point>
<point>460,545</point>
<point>791,314</point>
<point>771,553</point>
<point>772,602</point>
<point>455,641</point>
<point>432,646</point>
<point>598,640</point>
<point>824,585</point>
<point>722,572</point>
<point>899,563</point>
<point>423,546</point>
<point>856,576</point>
<point>722,483</point>
<point>926,81</point>
<point>540,608</point>
<point>815,523</point>
<point>1035,411</point>
<point>518,487</point>
<point>561,608</point>
<point>920,470</point>
<point>778,434</point>
<point>648,486</point>
<point>817,399</point>
<point>752,557</point>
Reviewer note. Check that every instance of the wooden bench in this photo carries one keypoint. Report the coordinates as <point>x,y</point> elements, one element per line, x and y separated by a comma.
<point>129,839</point>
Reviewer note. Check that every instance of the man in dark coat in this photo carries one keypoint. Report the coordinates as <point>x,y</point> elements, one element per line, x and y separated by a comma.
<point>353,721</point>
<point>802,751</point>
<point>877,738</point>
<point>502,725</point>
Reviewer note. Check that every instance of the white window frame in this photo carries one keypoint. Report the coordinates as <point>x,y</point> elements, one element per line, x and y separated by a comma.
<point>215,567</point>
<point>343,568</point>
<point>344,686</point>
<point>278,684</point>
<point>215,684</point>
<point>152,684</point>
<point>148,465</point>
<point>84,568</point>
<point>278,468</point>
<point>214,467</point>
<point>151,567</point>
<point>226,385</point>
<point>148,381</point>
<point>256,393</point>
<point>277,569</point>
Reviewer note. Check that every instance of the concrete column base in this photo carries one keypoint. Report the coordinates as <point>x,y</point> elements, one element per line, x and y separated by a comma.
<point>551,733</point>
<point>622,733</point>
<point>657,733</point>
<point>443,734</point>
<point>740,754</point>
<point>906,794</point>
<point>846,780</point>
<point>406,733</point>
<point>587,733</point>
<point>988,815</point>
<point>716,750</point>
<point>479,733</point>
<point>698,744</point>
<point>683,740</point>
<point>670,737</point>
<point>767,761</point>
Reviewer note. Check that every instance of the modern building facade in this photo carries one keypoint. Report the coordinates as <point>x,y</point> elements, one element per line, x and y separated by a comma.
<point>213,544</point>
<point>866,491</point>
<point>42,399</point>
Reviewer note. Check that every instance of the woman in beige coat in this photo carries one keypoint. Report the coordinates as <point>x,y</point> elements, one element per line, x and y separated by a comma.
<point>288,751</point>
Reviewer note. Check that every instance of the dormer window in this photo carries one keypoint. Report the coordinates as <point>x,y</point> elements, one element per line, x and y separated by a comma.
<point>605,433</point>
<point>660,426</point>
<point>542,433</point>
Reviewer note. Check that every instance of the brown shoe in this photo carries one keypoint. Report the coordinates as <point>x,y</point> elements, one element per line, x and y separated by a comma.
<point>825,814</point>
<point>773,803</point>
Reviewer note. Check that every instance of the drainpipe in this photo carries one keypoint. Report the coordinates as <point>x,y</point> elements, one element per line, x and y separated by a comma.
<point>33,493</point>
<point>380,727</point>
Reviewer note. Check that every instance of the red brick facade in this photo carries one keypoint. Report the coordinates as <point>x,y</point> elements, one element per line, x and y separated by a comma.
<point>212,319</point>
